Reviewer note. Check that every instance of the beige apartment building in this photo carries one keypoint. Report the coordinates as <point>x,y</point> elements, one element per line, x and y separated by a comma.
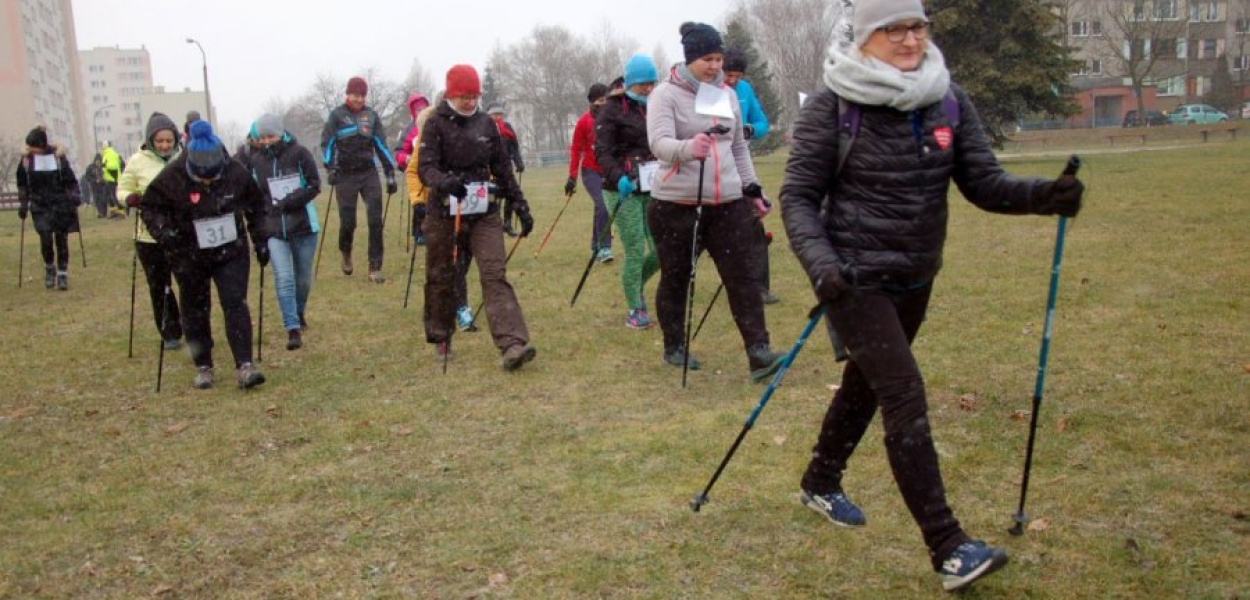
<point>113,82</point>
<point>39,76</point>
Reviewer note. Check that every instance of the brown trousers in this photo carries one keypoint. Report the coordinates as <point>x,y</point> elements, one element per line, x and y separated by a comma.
<point>484,238</point>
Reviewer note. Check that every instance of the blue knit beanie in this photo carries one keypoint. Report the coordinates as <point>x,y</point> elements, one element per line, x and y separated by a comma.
<point>206,158</point>
<point>639,69</point>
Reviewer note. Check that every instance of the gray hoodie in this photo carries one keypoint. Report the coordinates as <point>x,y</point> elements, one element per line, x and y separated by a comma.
<point>671,125</point>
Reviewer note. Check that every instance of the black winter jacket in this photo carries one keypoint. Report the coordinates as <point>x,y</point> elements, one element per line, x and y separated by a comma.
<point>621,139</point>
<point>293,215</point>
<point>469,148</point>
<point>173,202</point>
<point>351,139</point>
<point>48,189</point>
<point>882,220</point>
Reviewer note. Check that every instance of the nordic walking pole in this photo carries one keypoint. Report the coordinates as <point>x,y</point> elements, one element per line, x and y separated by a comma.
<point>591,263</point>
<point>505,264</point>
<point>385,211</point>
<point>160,362</point>
<point>694,257</point>
<point>567,198</point>
<point>260,321</point>
<point>21,255</point>
<point>412,263</point>
<point>813,317</point>
<point>82,250</point>
<point>1074,163</point>
<point>134,273</point>
<point>324,223</point>
<point>707,311</point>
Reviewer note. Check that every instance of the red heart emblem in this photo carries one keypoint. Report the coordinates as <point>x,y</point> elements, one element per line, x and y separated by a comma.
<point>195,198</point>
<point>481,192</point>
<point>944,137</point>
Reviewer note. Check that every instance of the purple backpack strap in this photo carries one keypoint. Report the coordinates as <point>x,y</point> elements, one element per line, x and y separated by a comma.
<point>849,117</point>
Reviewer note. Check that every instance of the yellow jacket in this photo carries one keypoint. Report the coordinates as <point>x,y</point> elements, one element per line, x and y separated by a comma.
<point>142,168</point>
<point>417,193</point>
<point>112,163</point>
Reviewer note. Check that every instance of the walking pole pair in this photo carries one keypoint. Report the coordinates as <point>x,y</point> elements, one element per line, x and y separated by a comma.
<point>21,255</point>
<point>134,273</point>
<point>813,317</point>
<point>694,258</point>
<point>567,198</point>
<point>324,223</point>
<point>1017,528</point>
<point>506,260</point>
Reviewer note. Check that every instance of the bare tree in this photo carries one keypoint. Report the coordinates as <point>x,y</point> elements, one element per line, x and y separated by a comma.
<point>11,150</point>
<point>793,35</point>
<point>660,58</point>
<point>1137,35</point>
<point>418,80</point>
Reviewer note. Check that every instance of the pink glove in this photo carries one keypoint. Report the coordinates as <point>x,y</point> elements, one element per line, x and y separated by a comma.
<point>762,207</point>
<point>701,146</point>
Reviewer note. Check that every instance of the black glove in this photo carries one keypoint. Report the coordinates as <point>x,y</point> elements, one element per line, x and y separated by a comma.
<point>522,210</point>
<point>1063,198</point>
<point>419,211</point>
<point>452,186</point>
<point>332,176</point>
<point>391,187</point>
<point>570,186</point>
<point>262,253</point>
<point>520,169</point>
<point>830,285</point>
<point>21,213</point>
<point>753,191</point>
<point>748,131</point>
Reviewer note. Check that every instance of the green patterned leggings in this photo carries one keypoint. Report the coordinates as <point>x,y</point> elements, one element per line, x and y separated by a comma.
<point>641,262</point>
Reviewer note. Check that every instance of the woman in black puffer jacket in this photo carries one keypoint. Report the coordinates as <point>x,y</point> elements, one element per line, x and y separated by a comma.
<point>47,188</point>
<point>868,227</point>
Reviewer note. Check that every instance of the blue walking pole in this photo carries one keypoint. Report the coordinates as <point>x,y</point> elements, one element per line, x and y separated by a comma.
<point>1074,163</point>
<point>813,318</point>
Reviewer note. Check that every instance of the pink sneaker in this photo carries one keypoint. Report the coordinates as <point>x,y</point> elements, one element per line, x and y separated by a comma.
<point>639,319</point>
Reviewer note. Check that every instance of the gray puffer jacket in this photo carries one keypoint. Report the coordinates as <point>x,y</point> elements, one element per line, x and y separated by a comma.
<point>882,222</point>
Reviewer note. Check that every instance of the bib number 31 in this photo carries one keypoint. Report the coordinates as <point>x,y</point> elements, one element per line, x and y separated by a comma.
<point>217,231</point>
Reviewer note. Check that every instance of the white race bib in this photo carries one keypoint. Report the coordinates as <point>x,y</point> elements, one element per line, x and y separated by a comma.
<point>45,162</point>
<point>283,186</point>
<point>476,201</point>
<point>713,101</point>
<point>217,231</point>
<point>646,173</point>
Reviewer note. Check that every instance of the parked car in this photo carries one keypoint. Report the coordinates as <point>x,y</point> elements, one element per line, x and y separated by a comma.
<point>1191,114</point>
<point>1153,118</point>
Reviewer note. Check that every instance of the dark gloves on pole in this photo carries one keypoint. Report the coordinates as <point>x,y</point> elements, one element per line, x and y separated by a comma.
<point>262,253</point>
<point>830,285</point>
<point>570,186</point>
<point>522,209</point>
<point>453,186</point>
<point>1063,197</point>
<point>391,186</point>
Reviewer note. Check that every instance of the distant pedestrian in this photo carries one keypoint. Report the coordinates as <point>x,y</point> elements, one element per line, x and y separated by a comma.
<point>354,143</point>
<point>48,191</point>
<point>417,104</point>
<point>113,167</point>
<point>582,160</point>
<point>513,145</point>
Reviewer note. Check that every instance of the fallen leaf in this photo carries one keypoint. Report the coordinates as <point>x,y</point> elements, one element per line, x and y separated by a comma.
<point>968,402</point>
<point>176,429</point>
<point>161,590</point>
<point>498,579</point>
<point>1246,367</point>
<point>404,431</point>
<point>834,387</point>
<point>1019,415</point>
<point>1061,425</point>
<point>24,411</point>
<point>273,411</point>
<point>1038,525</point>
<point>779,440</point>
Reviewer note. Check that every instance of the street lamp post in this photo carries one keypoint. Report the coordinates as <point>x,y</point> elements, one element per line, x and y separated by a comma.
<point>208,103</point>
<point>95,129</point>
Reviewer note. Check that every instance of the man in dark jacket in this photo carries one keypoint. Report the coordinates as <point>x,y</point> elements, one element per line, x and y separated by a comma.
<point>288,179</point>
<point>512,144</point>
<point>48,190</point>
<point>352,140</point>
<point>196,209</point>
<point>461,152</point>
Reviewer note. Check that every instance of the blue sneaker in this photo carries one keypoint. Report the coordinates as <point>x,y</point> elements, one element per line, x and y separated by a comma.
<point>604,255</point>
<point>834,506</point>
<point>420,240</point>
<point>969,562</point>
<point>639,319</point>
<point>464,318</point>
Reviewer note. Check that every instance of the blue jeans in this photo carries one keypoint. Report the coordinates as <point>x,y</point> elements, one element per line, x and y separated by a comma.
<point>292,262</point>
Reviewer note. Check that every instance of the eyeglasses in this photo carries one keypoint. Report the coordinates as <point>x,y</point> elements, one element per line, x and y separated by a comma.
<point>898,33</point>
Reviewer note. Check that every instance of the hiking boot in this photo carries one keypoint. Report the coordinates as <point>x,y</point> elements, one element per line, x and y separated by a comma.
<point>347,264</point>
<point>171,344</point>
<point>639,319</point>
<point>969,562</point>
<point>517,355</point>
<point>769,297</point>
<point>49,277</point>
<point>376,277</point>
<point>604,255</point>
<point>62,280</point>
<point>764,362</point>
<point>834,506</point>
<point>442,349</point>
<point>677,356</point>
<point>249,376</point>
<point>293,340</point>
<point>464,319</point>
<point>203,378</point>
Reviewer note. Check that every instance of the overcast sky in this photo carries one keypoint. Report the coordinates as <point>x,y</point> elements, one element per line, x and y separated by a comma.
<point>259,49</point>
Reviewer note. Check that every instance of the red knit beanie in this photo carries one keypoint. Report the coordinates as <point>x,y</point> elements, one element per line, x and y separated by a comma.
<point>356,85</point>
<point>462,81</point>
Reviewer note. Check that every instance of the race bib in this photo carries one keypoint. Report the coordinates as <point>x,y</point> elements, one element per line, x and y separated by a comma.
<point>475,202</point>
<point>217,231</point>
<point>45,162</point>
<point>646,173</point>
<point>282,187</point>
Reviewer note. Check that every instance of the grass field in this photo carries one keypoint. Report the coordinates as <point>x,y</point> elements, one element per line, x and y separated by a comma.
<point>360,471</point>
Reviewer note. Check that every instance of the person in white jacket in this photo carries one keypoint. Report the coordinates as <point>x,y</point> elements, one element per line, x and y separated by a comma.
<point>726,203</point>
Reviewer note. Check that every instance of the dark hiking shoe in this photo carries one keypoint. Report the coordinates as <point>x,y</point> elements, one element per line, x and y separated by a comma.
<point>969,562</point>
<point>249,376</point>
<point>834,506</point>
<point>769,297</point>
<point>293,340</point>
<point>376,277</point>
<point>49,277</point>
<point>62,280</point>
<point>517,355</point>
<point>171,344</point>
<point>764,362</point>
<point>347,264</point>
<point>677,356</point>
<point>203,378</point>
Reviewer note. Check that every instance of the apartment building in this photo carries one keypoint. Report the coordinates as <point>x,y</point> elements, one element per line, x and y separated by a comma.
<point>39,75</point>
<point>1172,47</point>
<point>113,81</point>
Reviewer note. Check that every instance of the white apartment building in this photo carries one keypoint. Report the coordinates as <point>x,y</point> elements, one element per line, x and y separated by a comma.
<point>113,81</point>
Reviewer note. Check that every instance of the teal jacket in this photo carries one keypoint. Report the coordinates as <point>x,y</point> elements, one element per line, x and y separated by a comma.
<point>752,112</point>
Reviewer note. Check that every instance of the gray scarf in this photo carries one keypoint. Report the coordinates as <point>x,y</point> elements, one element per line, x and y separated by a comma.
<point>868,81</point>
<point>683,72</point>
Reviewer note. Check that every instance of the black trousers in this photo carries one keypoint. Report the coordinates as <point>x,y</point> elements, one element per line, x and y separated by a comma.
<point>878,328</point>
<point>368,187</point>
<point>159,275</point>
<point>54,246</point>
<point>729,234</point>
<point>231,275</point>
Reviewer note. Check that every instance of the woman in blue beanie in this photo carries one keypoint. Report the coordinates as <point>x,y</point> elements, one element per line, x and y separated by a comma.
<point>196,210</point>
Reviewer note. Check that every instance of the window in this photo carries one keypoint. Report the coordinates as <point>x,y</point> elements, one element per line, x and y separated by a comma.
<point>1165,9</point>
<point>1095,28</point>
<point>1243,25</point>
<point>1172,86</point>
<point>1080,29</point>
<point>1209,49</point>
<point>1166,47</point>
<point>1213,11</point>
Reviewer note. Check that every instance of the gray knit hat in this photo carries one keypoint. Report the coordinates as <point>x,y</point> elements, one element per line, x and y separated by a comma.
<point>873,14</point>
<point>269,124</point>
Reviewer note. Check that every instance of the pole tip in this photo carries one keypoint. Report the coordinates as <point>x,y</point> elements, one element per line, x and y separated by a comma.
<point>699,500</point>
